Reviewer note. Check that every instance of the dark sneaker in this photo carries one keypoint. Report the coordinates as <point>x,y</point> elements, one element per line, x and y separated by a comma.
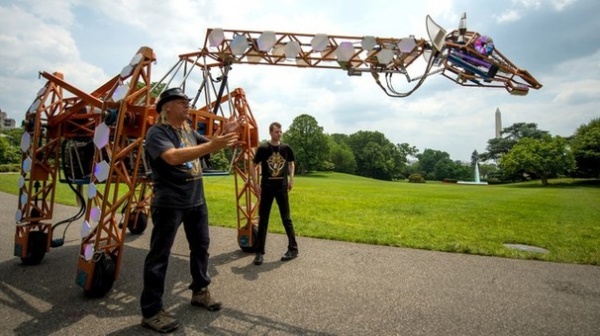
<point>204,299</point>
<point>289,255</point>
<point>162,322</point>
<point>258,260</point>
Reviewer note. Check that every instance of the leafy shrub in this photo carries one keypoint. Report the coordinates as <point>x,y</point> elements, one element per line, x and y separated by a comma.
<point>10,168</point>
<point>416,178</point>
<point>493,181</point>
<point>328,166</point>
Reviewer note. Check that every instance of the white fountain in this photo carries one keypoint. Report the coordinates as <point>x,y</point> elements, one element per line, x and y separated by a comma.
<point>477,179</point>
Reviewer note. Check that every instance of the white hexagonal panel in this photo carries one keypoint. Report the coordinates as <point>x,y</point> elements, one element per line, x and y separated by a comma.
<point>85,229</point>
<point>120,92</point>
<point>21,182</point>
<point>27,165</point>
<point>407,44</point>
<point>136,59</point>
<point>319,42</point>
<point>42,91</point>
<point>24,198</point>
<point>95,214</point>
<point>18,215</point>
<point>88,252</point>
<point>92,109</point>
<point>216,37</point>
<point>25,142</point>
<point>266,41</point>
<point>101,171</point>
<point>127,70</point>
<point>101,134</point>
<point>292,49</point>
<point>344,52</point>
<point>385,56</point>
<point>35,106</point>
<point>91,191</point>
<point>368,42</point>
<point>239,45</point>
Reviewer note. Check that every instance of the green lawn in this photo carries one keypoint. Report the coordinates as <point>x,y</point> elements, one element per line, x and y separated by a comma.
<point>563,218</point>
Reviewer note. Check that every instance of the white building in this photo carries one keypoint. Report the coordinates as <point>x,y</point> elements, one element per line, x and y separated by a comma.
<point>5,121</point>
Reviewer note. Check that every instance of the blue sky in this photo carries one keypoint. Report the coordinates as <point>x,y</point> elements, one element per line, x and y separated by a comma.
<point>90,41</point>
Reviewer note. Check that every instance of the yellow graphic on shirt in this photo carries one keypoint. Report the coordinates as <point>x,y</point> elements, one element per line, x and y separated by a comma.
<point>194,165</point>
<point>276,164</point>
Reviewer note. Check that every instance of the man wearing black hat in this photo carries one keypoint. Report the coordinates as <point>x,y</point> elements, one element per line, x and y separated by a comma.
<point>173,150</point>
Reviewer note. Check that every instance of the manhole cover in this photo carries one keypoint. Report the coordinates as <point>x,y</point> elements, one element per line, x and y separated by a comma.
<point>526,248</point>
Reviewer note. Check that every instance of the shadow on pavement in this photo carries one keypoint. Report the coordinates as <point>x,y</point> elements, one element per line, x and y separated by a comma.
<point>49,302</point>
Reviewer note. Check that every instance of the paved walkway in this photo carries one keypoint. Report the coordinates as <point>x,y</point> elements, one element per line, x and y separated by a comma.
<point>333,288</point>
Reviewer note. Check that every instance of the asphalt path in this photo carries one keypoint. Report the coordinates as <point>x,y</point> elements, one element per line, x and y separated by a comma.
<point>332,288</point>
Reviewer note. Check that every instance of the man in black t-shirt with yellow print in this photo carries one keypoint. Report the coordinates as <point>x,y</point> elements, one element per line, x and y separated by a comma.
<point>277,166</point>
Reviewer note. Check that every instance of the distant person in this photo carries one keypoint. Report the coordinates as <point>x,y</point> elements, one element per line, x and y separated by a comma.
<point>173,150</point>
<point>277,166</point>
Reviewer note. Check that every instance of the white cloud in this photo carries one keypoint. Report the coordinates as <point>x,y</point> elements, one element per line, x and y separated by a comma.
<point>520,8</point>
<point>30,45</point>
<point>54,12</point>
<point>508,16</point>
<point>557,5</point>
<point>534,4</point>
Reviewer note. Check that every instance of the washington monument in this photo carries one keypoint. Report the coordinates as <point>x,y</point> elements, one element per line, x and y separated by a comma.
<point>498,124</point>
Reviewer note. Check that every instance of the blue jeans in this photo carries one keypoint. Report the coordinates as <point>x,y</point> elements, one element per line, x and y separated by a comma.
<point>166,222</point>
<point>264,210</point>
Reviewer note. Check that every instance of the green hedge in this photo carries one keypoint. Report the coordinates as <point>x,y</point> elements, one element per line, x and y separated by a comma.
<point>10,168</point>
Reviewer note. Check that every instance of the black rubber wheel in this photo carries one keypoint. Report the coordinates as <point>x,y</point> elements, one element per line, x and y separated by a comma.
<point>252,248</point>
<point>103,278</point>
<point>137,226</point>
<point>36,248</point>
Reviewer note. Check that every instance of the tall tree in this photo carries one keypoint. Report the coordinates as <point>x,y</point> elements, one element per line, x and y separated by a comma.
<point>309,143</point>
<point>543,158</point>
<point>443,169</point>
<point>461,171</point>
<point>407,150</point>
<point>523,130</point>
<point>510,136</point>
<point>377,163</point>
<point>586,149</point>
<point>341,156</point>
<point>389,162</point>
<point>340,138</point>
<point>8,153</point>
<point>427,161</point>
<point>13,135</point>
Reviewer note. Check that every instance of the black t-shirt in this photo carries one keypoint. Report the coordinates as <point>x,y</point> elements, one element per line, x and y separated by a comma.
<point>177,186</point>
<point>274,164</point>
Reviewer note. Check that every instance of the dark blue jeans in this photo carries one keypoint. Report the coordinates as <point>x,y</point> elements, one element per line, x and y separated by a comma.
<point>166,221</point>
<point>264,211</point>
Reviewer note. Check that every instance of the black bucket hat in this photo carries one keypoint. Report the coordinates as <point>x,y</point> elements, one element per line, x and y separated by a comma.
<point>168,95</point>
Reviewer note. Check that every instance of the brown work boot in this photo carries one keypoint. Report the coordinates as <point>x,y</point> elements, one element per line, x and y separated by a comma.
<point>204,299</point>
<point>162,322</point>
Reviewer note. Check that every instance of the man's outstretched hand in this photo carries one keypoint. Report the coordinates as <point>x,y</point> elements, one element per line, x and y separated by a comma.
<point>232,125</point>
